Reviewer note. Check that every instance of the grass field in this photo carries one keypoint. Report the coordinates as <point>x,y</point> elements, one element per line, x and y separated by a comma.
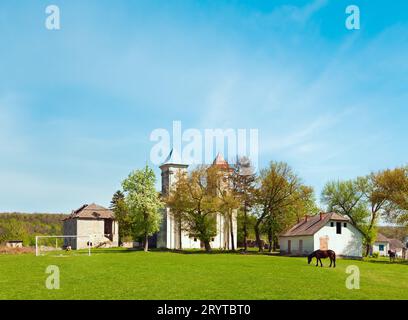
<point>121,274</point>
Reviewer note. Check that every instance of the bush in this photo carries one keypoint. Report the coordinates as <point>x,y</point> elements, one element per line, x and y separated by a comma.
<point>375,255</point>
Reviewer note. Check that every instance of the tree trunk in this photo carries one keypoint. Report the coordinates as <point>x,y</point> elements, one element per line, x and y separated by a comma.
<point>275,245</point>
<point>367,249</point>
<point>245,230</point>
<point>146,242</point>
<point>270,239</point>
<point>232,233</point>
<point>180,235</point>
<point>207,246</point>
<point>258,237</point>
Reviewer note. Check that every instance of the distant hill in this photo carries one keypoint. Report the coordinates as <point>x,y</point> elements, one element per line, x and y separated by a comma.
<point>24,226</point>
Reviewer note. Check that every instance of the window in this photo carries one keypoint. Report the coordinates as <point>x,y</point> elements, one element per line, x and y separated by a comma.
<point>195,239</point>
<point>338,227</point>
<point>212,239</point>
<point>345,225</point>
<point>381,247</point>
<point>331,224</point>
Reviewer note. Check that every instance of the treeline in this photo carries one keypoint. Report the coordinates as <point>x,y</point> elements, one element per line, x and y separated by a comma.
<point>22,226</point>
<point>267,202</point>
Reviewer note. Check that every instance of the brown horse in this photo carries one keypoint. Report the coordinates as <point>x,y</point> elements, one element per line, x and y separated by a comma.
<point>319,254</point>
<point>392,254</point>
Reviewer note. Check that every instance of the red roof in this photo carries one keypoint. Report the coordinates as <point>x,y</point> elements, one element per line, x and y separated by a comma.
<point>221,162</point>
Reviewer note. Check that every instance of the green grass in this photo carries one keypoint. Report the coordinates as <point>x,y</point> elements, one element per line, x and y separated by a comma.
<point>121,274</point>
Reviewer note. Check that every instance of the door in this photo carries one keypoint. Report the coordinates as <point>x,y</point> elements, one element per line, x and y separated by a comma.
<point>324,243</point>
<point>108,229</point>
<point>289,246</point>
<point>300,246</point>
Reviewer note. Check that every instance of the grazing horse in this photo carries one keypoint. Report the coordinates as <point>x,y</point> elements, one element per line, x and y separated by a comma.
<point>319,254</point>
<point>392,254</point>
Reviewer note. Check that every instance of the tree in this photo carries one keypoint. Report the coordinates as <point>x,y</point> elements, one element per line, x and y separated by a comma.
<point>143,203</point>
<point>122,216</point>
<point>366,199</point>
<point>194,196</point>
<point>392,185</point>
<point>243,180</point>
<point>228,206</point>
<point>279,189</point>
<point>348,198</point>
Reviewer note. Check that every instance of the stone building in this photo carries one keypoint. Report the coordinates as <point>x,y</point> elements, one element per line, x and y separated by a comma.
<point>91,223</point>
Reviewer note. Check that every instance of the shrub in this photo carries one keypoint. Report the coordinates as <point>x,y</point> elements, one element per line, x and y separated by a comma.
<point>375,255</point>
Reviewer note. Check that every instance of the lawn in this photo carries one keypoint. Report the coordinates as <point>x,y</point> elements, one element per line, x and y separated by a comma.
<point>121,274</point>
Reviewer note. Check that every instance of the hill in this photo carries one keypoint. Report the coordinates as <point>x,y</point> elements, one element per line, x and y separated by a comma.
<point>24,226</point>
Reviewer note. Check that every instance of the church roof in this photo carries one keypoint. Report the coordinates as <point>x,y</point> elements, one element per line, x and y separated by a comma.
<point>173,158</point>
<point>221,162</point>
<point>311,224</point>
<point>91,211</point>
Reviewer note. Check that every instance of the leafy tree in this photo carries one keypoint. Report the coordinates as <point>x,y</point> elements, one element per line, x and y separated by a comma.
<point>366,199</point>
<point>243,180</point>
<point>194,198</point>
<point>122,216</point>
<point>279,190</point>
<point>143,203</point>
<point>228,206</point>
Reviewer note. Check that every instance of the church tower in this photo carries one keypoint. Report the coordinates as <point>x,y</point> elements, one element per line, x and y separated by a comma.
<point>169,170</point>
<point>170,234</point>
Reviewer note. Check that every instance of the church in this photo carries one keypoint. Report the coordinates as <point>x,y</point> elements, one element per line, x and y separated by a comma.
<point>170,236</point>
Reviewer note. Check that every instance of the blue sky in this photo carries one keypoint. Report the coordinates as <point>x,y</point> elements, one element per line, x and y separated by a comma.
<point>77,105</point>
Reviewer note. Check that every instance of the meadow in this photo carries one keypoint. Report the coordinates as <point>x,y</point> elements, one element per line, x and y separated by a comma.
<point>128,274</point>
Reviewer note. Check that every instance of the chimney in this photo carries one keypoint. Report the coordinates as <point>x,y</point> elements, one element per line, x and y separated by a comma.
<point>306,218</point>
<point>321,215</point>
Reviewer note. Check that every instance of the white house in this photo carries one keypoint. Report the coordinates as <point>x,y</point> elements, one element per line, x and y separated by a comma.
<point>91,223</point>
<point>325,231</point>
<point>171,235</point>
<point>382,244</point>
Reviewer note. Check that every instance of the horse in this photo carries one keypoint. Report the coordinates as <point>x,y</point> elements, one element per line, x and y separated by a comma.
<point>319,254</point>
<point>392,254</point>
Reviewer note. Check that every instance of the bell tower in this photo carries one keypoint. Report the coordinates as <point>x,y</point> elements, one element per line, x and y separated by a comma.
<point>169,170</point>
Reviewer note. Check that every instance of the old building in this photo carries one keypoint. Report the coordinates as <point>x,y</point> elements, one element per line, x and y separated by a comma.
<point>325,231</point>
<point>91,223</point>
<point>382,244</point>
<point>171,235</point>
<point>14,243</point>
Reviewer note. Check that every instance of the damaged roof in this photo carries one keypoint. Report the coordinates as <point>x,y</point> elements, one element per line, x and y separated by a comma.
<point>91,211</point>
<point>311,224</point>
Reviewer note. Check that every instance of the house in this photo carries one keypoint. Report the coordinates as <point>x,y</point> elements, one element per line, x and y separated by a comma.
<point>323,231</point>
<point>171,234</point>
<point>381,245</point>
<point>91,223</point>
<point>14,243</point>
<point>397,246</point>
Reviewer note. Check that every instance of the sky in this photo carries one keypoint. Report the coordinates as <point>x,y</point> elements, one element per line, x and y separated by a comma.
<point>78,105</point>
